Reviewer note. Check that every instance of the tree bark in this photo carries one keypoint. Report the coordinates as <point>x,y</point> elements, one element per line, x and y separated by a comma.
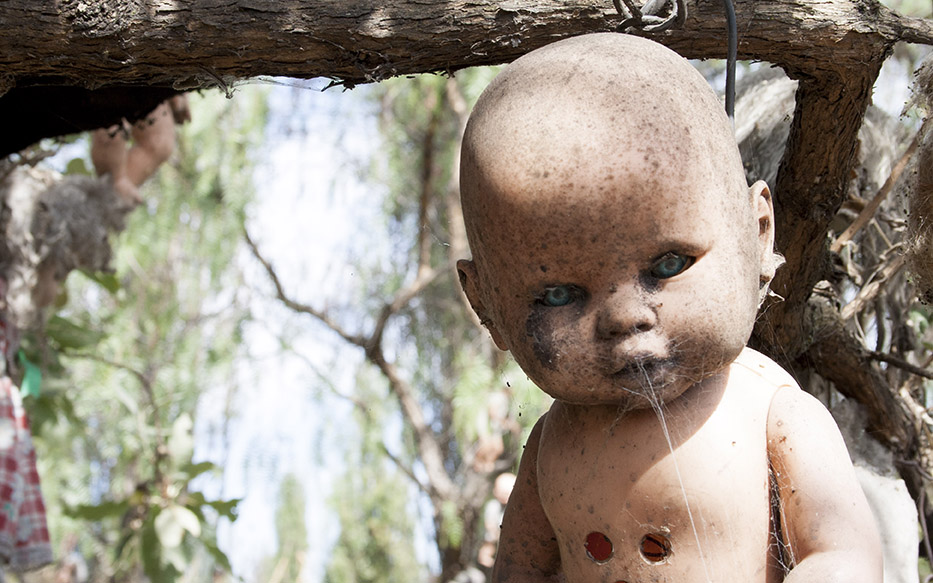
<point>103,50</point>
<point>200,43</point>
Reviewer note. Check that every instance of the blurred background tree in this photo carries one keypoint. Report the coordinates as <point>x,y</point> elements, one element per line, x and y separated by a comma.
<point>128,355</point>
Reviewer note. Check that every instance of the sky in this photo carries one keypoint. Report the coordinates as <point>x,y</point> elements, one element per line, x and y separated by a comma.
<point>311,202</point>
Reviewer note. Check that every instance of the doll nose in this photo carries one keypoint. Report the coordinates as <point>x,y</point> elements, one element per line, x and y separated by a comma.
<point>625,312</point>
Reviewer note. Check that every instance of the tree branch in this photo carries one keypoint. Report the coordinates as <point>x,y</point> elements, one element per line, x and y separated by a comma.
<point>365,409</point>
<point>115,51</point>
<point>430,451</point>
<point>140,376</point>
<point>839,358</point>
<point>902,364</point>
<point>870,290</point>
<point>428,445</point>
<point>811,185</point>
<point>323,317</point>
<point>869,210</point>
<point>424,273</point>
<point>202,43</point>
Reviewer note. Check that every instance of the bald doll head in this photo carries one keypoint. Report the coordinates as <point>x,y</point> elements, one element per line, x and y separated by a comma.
<point>608,103</point>
<point>615,241</point>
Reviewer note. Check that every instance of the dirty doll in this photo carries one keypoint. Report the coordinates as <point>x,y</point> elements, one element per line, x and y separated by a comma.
<point>153,142</point>
<point>619,254</point>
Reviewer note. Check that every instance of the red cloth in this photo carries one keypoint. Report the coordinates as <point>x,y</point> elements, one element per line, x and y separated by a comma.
<point>24,536</point>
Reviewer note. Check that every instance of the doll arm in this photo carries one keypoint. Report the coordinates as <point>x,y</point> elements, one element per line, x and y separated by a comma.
<point>825,518</point>
<point>528,551</point>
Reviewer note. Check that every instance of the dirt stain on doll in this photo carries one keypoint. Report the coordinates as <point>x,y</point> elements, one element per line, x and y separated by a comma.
<point>537,328</point>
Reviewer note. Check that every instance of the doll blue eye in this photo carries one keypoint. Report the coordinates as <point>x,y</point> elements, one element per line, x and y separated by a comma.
<point>670,264</point>
<point>559,295</point>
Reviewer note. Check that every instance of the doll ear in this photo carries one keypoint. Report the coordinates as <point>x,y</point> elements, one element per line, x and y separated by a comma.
<point>764,214</point>
<point>469,281</point>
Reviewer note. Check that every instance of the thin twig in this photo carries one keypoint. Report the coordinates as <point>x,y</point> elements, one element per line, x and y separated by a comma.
<point>869,211</point>
<point>364,408</point>
<point>141,377</point>
<point>430,450</point>
<point>355,339</point>
<point>902,364</point>
<point>871,290</point>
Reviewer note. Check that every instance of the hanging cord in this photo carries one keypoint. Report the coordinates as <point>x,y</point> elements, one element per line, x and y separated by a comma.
<point>646,18</point>
<point>732,53</point>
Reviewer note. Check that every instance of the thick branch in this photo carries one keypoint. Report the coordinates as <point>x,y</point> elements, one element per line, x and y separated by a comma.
<point>205,42</point>
<point>112,44</point>
<point>428,446</point>
<point>841,359</point>
<point>811,186</point>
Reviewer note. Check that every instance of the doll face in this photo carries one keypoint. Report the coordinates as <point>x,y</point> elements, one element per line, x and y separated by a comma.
<point>618,251</point>
<point>620,285</point>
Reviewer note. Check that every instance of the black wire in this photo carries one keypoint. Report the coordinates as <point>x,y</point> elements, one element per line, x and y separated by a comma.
<point>733,49</point>
<point>634,18</point>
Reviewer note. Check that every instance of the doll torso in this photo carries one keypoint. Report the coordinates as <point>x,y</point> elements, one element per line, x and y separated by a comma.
<point>624,508</point>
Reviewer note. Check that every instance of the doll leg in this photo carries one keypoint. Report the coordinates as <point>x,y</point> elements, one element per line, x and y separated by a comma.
<point>153,143</point>
<point>108,154</point>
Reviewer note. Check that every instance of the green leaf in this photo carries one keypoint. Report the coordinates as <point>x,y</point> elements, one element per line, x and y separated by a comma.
<point>121,394</point>
<point>219,556</point>
<point>97,512</point>
<point>225,508</point>
<point>108,281</point>
<point>168,529</point>
<point>919,320</point>
<point>67,334</point>
<point>195,470</point>
<point>151,552</point>
<point>176,558</point>
<point>123,545</point>
<point>172,522</point>
<point>187,519</point>
<point>32,376</point>
<point>77,166</point>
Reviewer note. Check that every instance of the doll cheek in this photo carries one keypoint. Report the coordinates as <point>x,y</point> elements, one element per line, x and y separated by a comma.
<point>540,333</point>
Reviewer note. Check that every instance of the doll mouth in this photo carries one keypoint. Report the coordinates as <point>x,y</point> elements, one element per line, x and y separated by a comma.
<point>648,371</point>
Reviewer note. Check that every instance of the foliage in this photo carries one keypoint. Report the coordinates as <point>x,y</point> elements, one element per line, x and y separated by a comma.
<point>377,534</point>
<point>129,353</point>
<point>292,534</point>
